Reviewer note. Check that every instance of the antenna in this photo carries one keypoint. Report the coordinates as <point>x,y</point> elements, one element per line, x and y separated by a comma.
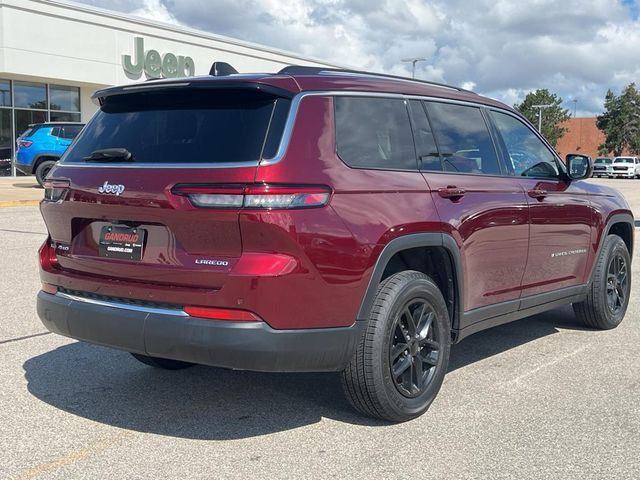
<point>221,69</point>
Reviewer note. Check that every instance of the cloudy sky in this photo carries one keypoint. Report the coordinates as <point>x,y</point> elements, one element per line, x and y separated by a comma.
<point>499,48</point>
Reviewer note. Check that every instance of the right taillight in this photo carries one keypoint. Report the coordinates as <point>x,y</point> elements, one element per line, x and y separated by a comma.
<point>25,143</point>
<point>256,196</point>
<point>55,190</point>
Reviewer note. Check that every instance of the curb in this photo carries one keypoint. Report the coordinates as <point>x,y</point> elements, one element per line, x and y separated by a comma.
<point>19,203</point>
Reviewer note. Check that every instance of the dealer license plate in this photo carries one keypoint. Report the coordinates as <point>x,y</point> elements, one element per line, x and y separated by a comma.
<point>121,242</point>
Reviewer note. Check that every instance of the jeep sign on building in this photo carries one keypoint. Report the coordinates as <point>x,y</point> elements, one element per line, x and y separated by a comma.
<point>54,55</point>
<point>155,65</point>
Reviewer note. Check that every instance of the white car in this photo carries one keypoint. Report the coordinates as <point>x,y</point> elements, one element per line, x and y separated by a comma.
<point>602,167</point>
<point>627,167</point>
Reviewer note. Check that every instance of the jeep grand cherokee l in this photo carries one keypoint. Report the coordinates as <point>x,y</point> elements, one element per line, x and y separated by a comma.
<point>321,220</point>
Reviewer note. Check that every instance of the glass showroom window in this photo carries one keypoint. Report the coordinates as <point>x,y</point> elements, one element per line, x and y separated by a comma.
<point>24,103</point>
<point>64,103</point>
<point>30,102</point>
<point>6,128</point>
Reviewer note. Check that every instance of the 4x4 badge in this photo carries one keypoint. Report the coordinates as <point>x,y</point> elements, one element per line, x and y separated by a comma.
<point>109,188</point>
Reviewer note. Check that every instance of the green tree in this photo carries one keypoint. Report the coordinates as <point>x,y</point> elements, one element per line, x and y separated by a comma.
<point>621,121</point>
<point>552,116</point>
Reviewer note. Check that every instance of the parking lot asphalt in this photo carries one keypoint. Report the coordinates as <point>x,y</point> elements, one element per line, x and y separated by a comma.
<point>539,398</point>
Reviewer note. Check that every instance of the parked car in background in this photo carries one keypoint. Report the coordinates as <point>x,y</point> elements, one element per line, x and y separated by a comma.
<point>626,167</point>
<point>602,167</point>
<point>42,145</point>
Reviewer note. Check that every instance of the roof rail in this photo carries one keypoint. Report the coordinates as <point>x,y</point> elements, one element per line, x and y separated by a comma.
<point>304,70</point>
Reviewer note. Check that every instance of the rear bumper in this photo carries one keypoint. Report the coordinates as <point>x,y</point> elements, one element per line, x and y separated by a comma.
<point>24,168</point>
<point>172,334</point>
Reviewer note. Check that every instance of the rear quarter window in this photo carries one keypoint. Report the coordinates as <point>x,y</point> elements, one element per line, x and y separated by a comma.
<point>374,133</point>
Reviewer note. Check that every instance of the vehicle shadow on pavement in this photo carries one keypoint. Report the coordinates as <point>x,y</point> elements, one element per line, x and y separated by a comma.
<point>505,337</point>
<point>33,185</point>
<point>110,387</point>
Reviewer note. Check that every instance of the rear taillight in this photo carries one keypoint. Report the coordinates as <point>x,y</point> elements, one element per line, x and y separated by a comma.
<point>259,196</point>
<point>25,143</point>
<point>55,190</point>
<point>47,255</point>
<point>222,314</point>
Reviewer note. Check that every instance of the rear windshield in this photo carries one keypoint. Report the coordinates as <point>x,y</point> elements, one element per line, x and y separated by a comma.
<point>623,160</point>
<point>603,160</point>
<point>30,131</point>
<point>188,126</point>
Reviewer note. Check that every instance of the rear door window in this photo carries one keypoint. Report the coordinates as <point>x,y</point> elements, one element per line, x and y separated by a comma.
<point>463,138</point>
<point>189,126</point>
<point>374,133</point>
<point>69,132</point>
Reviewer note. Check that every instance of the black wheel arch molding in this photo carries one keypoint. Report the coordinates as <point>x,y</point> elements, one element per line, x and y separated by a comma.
<point>407,242</point>
<point>616,218</point>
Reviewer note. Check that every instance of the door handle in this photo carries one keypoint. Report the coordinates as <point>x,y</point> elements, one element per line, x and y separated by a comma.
<point>451,192</point>
<point>537,193</point>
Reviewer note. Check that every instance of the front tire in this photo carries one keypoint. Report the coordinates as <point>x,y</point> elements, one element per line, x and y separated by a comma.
<point>163,363</point>
<point>400,363</point>
<point>608,297</point>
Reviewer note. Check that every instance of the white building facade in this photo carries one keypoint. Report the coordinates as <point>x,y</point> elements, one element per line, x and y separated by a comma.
<point>54,55</point>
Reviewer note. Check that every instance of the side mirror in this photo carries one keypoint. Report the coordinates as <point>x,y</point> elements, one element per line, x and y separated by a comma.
<point>579,166</point>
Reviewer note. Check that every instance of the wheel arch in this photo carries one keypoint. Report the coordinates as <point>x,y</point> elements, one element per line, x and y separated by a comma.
<point>43,157</point>
<point>422,252</point>
<point>622,225</point>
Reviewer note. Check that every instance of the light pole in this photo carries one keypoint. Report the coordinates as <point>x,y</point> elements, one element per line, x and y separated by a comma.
<point>413,62</point>
<point>540,110</point>
<point>575,104</point>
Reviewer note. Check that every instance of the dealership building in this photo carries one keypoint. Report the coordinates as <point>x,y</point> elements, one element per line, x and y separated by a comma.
<point>54,55</point>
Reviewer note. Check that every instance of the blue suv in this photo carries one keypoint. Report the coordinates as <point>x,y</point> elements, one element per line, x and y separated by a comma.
<point>42,145</point>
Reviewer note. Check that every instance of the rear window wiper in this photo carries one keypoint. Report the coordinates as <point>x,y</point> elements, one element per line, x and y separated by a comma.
<point>110,155</point>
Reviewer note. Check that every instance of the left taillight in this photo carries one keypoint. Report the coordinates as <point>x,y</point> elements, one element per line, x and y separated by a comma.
<point>47,255</point>
<point>255,196</point>
<point>55,190</point>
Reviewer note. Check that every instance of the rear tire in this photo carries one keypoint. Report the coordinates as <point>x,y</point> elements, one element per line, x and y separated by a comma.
<point>400,363</point>
<point>608,296</point>
<point>43,170</point>
<point>164,363</point>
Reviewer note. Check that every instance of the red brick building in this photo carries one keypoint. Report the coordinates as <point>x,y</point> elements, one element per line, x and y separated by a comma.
<point>583,137</point>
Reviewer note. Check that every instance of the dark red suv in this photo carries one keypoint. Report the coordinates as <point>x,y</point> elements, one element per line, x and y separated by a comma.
<point>321,220</point>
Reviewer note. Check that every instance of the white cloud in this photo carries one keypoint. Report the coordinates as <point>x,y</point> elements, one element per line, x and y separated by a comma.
<point>154,10</point>
<point>502,48</point>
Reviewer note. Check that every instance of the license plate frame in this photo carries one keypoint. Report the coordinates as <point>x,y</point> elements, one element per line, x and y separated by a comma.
<point>122,242</point>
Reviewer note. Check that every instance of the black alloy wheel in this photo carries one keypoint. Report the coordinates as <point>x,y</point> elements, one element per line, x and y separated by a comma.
<point>414,349</point>
<point>617,283</point>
